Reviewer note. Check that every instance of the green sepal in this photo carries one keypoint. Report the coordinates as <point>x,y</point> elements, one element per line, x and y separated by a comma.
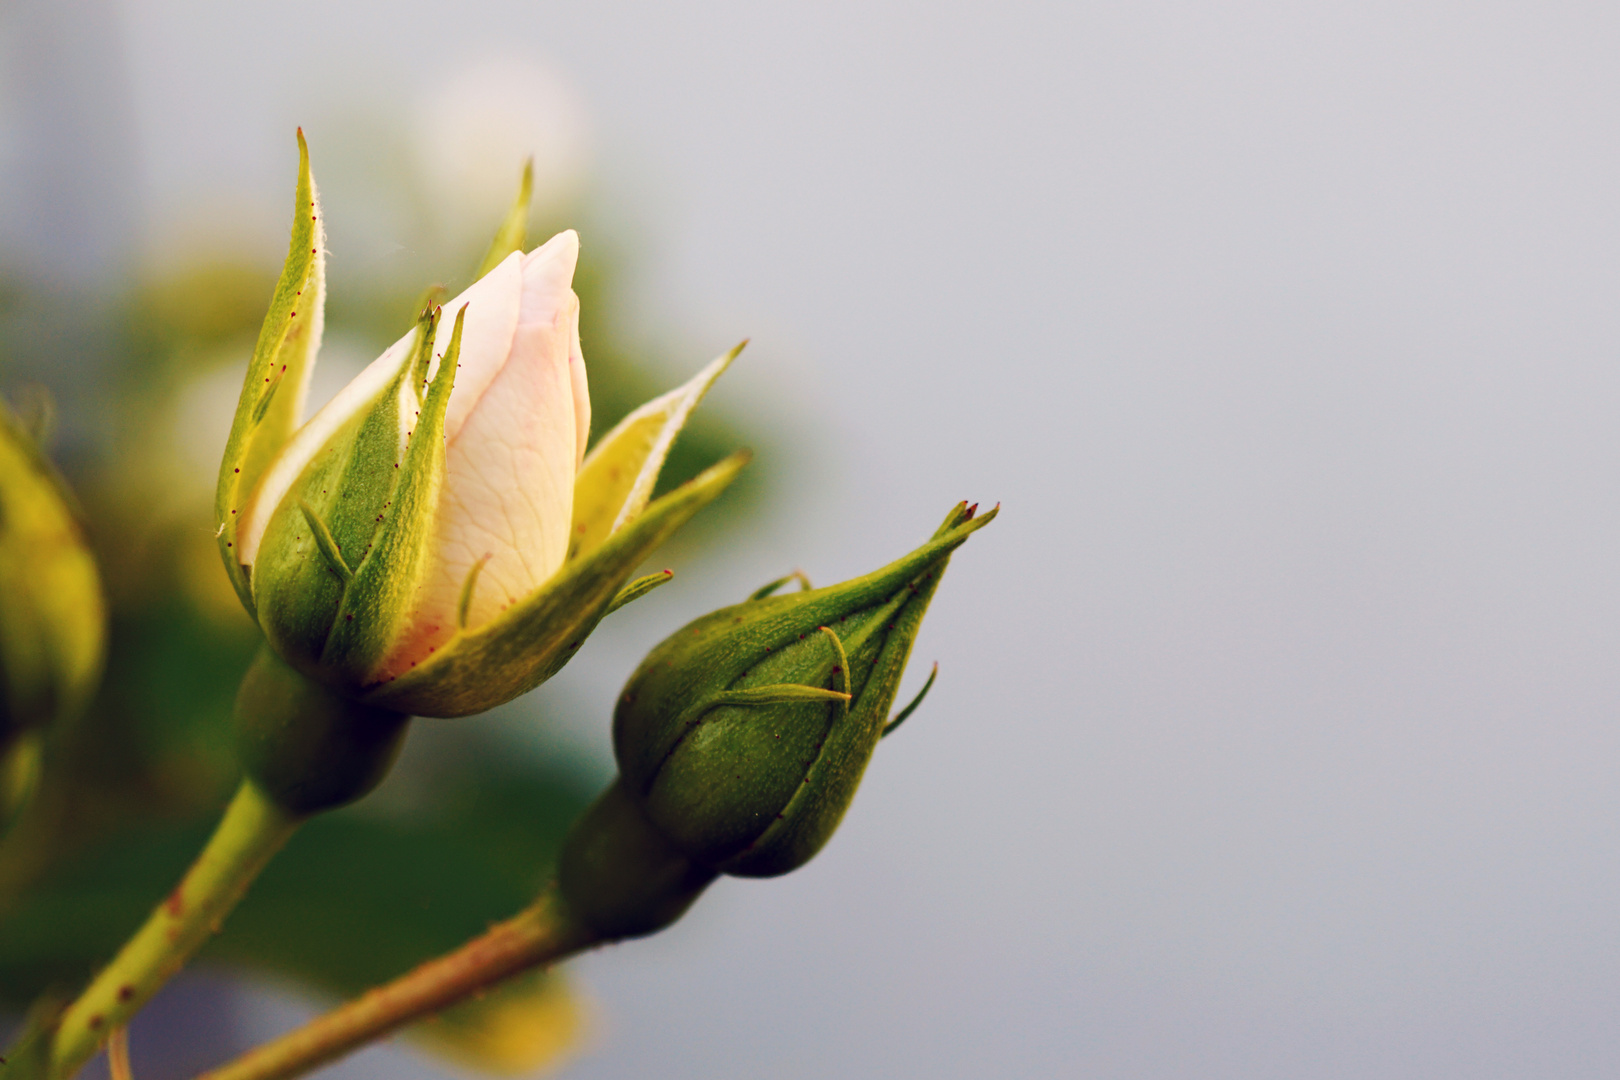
<point>842,667</point>
<point>464,605</point>
<point>277,379</point>
<point>529,642</point>
<point>771,586</point>
<point>330,552</point>
<point>514,227</point>
<point>776,694</point>
<point>900,718</point>
<point>757,790</point>
<point>379,598</point>
<point>617,477</point>
<point>639,588</point>
<point>343,554</point>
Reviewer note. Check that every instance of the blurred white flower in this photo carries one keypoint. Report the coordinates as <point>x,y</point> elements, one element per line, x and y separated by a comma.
<point>485,117</point>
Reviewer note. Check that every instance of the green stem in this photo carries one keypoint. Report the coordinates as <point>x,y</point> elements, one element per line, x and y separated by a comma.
<point>542,933</point>
<point>617,877</point>
<point>252,830</point>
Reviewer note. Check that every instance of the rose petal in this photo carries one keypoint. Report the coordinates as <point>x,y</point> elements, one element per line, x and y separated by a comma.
<point>548,277</point>
<point>508,491</point>
<point>492,317</point>
<point>582,394</point>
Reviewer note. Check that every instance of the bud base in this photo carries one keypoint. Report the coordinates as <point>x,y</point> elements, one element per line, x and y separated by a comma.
<point>305,746</point>
<point>619,876</point>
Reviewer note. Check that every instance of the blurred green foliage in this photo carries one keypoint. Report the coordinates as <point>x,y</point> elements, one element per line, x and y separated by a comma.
<point>463,833</point>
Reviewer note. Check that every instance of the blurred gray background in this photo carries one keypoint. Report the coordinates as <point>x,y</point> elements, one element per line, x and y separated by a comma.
<point>1276,726</point>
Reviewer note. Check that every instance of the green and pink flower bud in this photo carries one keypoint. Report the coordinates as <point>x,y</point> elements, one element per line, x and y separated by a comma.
<point>435,540</point>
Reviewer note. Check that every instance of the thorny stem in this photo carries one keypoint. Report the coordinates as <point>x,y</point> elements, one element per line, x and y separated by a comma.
<point>542,933</point>
<point>252,830</point>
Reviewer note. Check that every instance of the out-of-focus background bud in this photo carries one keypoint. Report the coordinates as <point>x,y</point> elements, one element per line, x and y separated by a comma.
<point>52,620</point>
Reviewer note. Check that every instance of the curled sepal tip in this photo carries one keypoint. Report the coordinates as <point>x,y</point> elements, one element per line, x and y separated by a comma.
<point>770,587</point>
<point>900,717</point>
<point>639,588</point>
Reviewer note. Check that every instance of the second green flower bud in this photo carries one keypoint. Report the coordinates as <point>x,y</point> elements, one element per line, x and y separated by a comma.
<point>742,738</point>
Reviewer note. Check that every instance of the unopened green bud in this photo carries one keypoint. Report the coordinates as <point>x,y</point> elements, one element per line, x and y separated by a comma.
<point>743,737</point>
<point>52,619</point>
